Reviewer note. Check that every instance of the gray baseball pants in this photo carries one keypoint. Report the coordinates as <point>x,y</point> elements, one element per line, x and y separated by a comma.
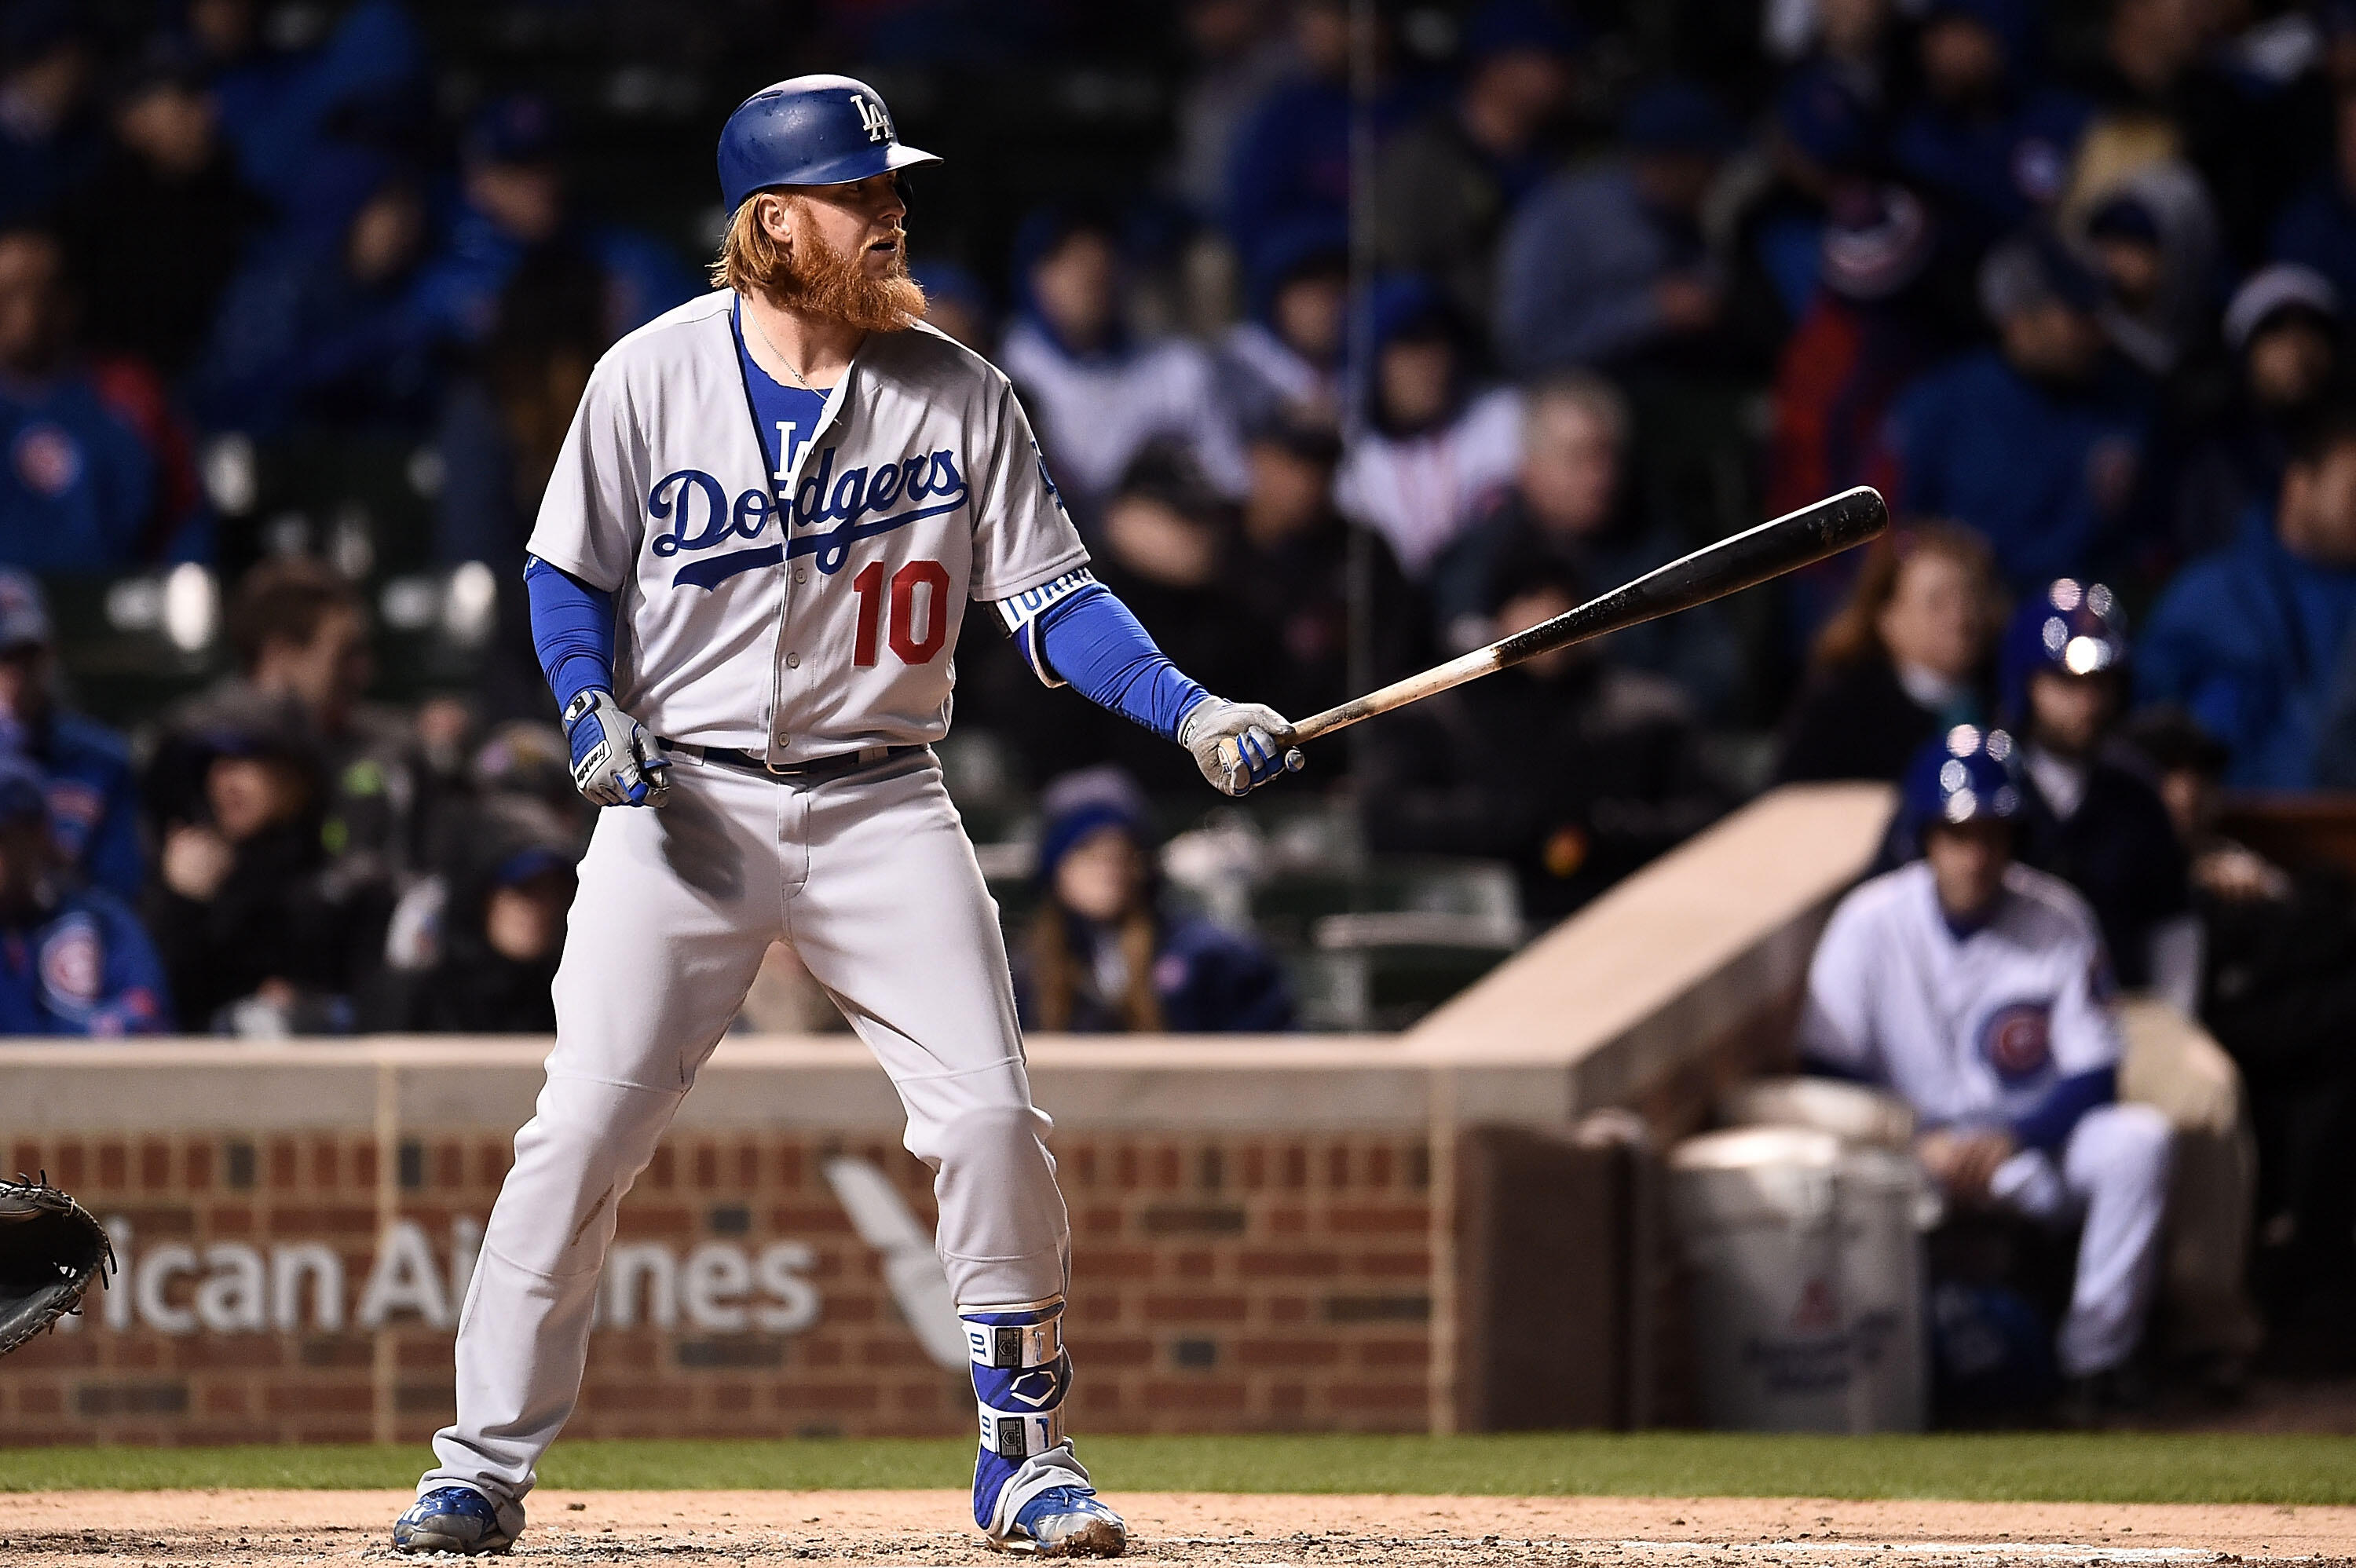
<point>871,880</point>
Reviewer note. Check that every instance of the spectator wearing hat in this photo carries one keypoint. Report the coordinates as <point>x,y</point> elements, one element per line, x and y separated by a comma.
<point>516,216</point>
<point>1987,139</point>
<point>1606,265</point>
<point>2254,128</point>
<point>317,329</point>
<point>49,142</point>
<point>1569,767</point>
<point>94,798</point>
<point>2251,639</point>
<point>1977,991</point>
<point>73,960</point>
<point>95,474</point>
<point>301,633</point>
<point>261,929</point>
<point>1434,449</point>
<point>1447,184</point>
<point>2317,228</point>
<point>1883,315</point>
<point>473,948</point>
<point>1293,569</point>
<point>1103,955</point>
<point>2039,442</point>
<point>2152,236</point>
<point>2283,326</point>
<point>1099,396</point>
<point>1282,363</point>
<point>1572,503</point>
<point>166,164</point>
<point>1828,137</point>
<point>1903,659</point>
<point>1237,58</point>
<point>2089,813</point>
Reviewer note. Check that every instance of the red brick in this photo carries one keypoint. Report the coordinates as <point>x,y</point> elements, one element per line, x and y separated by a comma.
<point>1194,1309</point>
<point>1288,1309</point>
<point>1286,1353</point>
<point>1378,1165</point>
<point>1395,1265</point>
<point>320,1397</point>
<point>283,1163</point>
<point>197,1166</point>
<point>1377,1396</point>
<point>1337,1166</point>
<point>113,1165</point>
<point>1391,1354</point>
<point>1387,1219</point>
<point>1288,1264</point>
<point>1205,1395</point>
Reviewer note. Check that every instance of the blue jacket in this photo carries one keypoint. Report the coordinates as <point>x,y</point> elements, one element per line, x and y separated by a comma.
<point>77,484</point>
<point>2047,478</point>
<point>1996,172</point>
<point>275,109</point>
<point>456,293</point>
<point>2249,639</point>
<point>1575,271</point>
<point>85,968</point>
<point>93,802</point>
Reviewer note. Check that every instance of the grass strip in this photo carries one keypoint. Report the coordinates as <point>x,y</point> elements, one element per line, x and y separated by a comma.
<point>1995,1467</point>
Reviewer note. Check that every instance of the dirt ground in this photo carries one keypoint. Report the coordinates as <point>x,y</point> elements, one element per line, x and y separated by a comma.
<point>167,1530</point>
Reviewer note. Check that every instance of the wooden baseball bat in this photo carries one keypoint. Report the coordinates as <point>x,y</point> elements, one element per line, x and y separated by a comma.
<point>1732,564</point>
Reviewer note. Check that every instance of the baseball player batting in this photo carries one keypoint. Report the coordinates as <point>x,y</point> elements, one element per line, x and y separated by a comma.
<point>746,576</point>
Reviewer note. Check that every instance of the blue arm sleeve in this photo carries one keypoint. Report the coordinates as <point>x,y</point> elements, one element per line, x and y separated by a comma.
<point>1090,640</point>
<point>2049,1122</point>
<point>572,630</point>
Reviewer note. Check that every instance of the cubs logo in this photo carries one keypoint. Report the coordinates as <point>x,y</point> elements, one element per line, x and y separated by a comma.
<point>72,965</point>
<point>47,459</point>
<point>2017,1042</point>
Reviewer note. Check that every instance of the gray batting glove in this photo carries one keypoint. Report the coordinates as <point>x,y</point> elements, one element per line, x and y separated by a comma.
<point>1240,746</point>
<point>615,761</point>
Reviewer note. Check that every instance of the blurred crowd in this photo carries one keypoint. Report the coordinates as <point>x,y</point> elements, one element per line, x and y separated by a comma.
<point>1350,347</point>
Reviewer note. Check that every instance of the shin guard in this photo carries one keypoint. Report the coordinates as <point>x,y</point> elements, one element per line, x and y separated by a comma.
<point>1021,1374</point>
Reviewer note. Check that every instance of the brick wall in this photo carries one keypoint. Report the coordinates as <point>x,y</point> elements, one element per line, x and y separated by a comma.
<point>289,1287</point>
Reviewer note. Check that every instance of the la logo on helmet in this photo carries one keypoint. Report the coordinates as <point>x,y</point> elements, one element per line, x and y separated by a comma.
<point>870,115</point>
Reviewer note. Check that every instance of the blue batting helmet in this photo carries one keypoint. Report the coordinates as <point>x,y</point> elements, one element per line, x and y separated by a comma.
<point>1965,775</point>
<point>2076,628</point>
<point>810,130</point>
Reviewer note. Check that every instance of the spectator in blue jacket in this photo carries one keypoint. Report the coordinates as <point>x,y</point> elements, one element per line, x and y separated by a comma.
<point>1105,957</point>
<point>79,487</point>
<point>73,961</point>
<point>1606,264</point>
<point>2038,443</point>
<point>1987,139</point>
<point>318,328</point>
<point>278,105</point>
<point>93,796</point>
<point>2251,640</point>
<point>516,205</point>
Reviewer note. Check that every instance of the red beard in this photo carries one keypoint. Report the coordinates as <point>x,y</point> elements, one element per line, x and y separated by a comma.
<point>825,281</point>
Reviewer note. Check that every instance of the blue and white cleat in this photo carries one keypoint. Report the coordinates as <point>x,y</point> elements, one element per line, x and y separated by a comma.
<point>456,1519</point>
<point>1066,1521</point>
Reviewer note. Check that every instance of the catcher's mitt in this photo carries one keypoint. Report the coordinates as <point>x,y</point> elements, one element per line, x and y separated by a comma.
<point>50,1249</point>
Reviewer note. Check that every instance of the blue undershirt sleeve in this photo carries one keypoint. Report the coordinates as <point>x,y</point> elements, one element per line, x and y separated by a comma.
<point>572,630</point>
<point>2048,1124</point>
<point>1084,637</point>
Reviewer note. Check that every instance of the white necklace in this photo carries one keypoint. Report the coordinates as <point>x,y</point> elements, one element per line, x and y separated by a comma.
<point>800,379</point>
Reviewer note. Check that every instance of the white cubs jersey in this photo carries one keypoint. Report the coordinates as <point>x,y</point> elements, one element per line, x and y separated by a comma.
<point>809,609</point>
<point>1969,1029</point>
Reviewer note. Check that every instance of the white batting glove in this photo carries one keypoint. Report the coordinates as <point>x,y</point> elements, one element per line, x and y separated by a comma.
<point>615,761</point>
<point>1240,746</point>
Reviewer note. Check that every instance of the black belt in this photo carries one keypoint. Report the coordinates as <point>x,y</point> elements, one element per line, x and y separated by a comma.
<point>817,770</point>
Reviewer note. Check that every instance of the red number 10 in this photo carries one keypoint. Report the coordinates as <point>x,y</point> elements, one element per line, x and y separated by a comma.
<point>910,645</point>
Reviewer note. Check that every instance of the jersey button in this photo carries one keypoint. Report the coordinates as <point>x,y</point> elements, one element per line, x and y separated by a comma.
<point>793,661</point>
<point>801,576</point>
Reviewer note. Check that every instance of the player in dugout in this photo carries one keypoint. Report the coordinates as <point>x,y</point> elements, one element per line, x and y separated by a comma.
<point>1978,990</point>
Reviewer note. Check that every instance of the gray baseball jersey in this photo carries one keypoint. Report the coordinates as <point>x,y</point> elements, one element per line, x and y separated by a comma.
<point>794,614</point>
<point>812,613</point>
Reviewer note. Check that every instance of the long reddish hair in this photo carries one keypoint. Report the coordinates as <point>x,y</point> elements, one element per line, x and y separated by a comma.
<point>1853,636</point>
